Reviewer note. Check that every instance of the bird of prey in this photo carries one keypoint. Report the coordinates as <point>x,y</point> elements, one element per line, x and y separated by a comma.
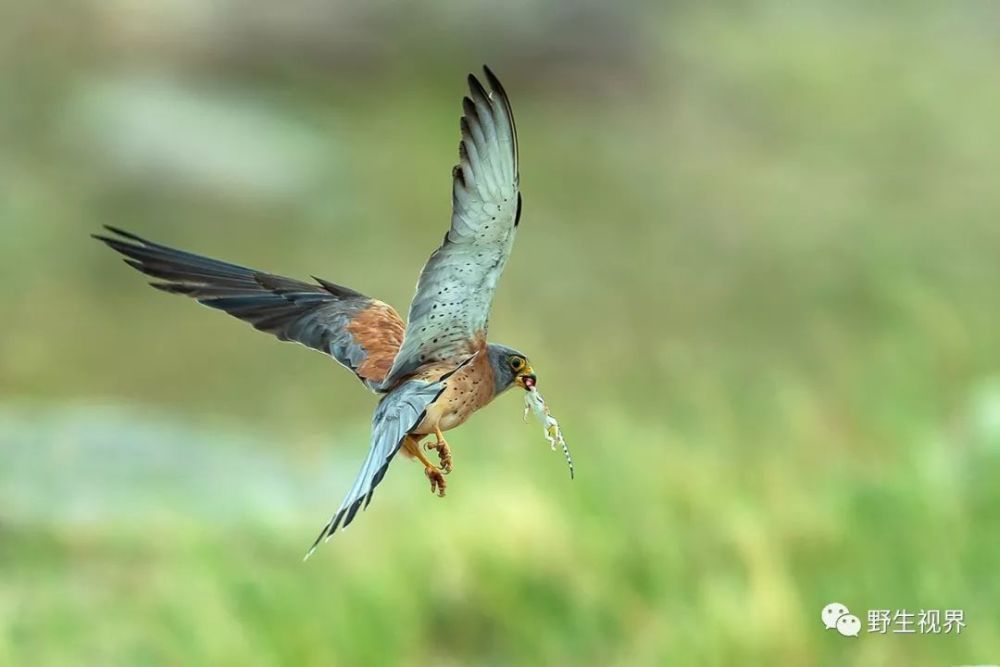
<point>434,370</point>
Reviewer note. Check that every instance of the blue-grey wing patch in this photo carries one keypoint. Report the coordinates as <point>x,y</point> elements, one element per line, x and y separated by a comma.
<point>361,333</point>
<point>396,415</point>
<point>451,308</point>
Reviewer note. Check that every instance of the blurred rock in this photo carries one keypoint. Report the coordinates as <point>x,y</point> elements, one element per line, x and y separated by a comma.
<point>152,128</point>
<point>105,464</point>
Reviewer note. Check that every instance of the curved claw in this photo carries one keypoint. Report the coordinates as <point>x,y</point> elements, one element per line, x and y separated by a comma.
<point>444,455</point>
<point>438,485</point>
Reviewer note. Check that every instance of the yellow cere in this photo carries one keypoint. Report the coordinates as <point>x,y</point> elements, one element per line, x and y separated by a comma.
<point>533,402</point>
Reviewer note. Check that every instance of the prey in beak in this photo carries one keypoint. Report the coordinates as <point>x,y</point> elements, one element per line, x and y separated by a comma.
<point>526,379</point>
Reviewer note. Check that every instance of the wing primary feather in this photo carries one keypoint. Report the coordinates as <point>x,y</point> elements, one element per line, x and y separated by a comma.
<point>491,79</point>
<point>477,88</point>
<point>361,333</point>
<point>495,84</point>
<point>489,131</point>
<point>337,290</point>
<point>450,312</point>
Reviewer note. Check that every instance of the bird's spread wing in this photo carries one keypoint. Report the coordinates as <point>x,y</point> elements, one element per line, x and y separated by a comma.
<point>397,413</point>
<point>454,295</point>
<point>361,333</point>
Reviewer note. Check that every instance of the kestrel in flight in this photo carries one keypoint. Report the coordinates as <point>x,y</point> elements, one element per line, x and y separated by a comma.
<point>434,370</point>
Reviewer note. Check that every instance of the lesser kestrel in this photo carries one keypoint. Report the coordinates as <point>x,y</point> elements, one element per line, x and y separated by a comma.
<point>436,369</point>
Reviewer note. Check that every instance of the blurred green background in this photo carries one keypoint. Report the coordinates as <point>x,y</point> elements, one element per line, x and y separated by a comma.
<point>757,275</point>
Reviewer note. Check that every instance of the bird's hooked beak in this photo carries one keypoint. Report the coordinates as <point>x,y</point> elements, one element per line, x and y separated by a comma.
<point>526,379</point>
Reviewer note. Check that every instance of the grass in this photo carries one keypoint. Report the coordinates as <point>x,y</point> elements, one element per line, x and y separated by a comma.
<point>755,275</point>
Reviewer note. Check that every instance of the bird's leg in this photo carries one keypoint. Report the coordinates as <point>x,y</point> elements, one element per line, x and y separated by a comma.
<point>412,446</point>
<point>443,450</point>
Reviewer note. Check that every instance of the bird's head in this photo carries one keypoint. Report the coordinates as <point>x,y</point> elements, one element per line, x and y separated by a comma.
<point>510,368</point>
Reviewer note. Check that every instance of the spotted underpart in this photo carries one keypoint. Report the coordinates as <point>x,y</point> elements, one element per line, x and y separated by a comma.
<point>471,388</point>
<point>465,391</point>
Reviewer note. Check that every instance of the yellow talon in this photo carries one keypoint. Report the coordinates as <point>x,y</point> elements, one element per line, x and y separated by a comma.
<point>443,450</point>
<point>437,481</point>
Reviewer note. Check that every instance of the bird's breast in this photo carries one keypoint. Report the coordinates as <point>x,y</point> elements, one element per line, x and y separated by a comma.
<point>468,390</point>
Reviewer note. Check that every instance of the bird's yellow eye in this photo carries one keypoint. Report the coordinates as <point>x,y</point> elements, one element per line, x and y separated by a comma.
<point>516,363</point>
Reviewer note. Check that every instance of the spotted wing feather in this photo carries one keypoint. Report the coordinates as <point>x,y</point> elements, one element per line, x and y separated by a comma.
<point>451,308</point>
